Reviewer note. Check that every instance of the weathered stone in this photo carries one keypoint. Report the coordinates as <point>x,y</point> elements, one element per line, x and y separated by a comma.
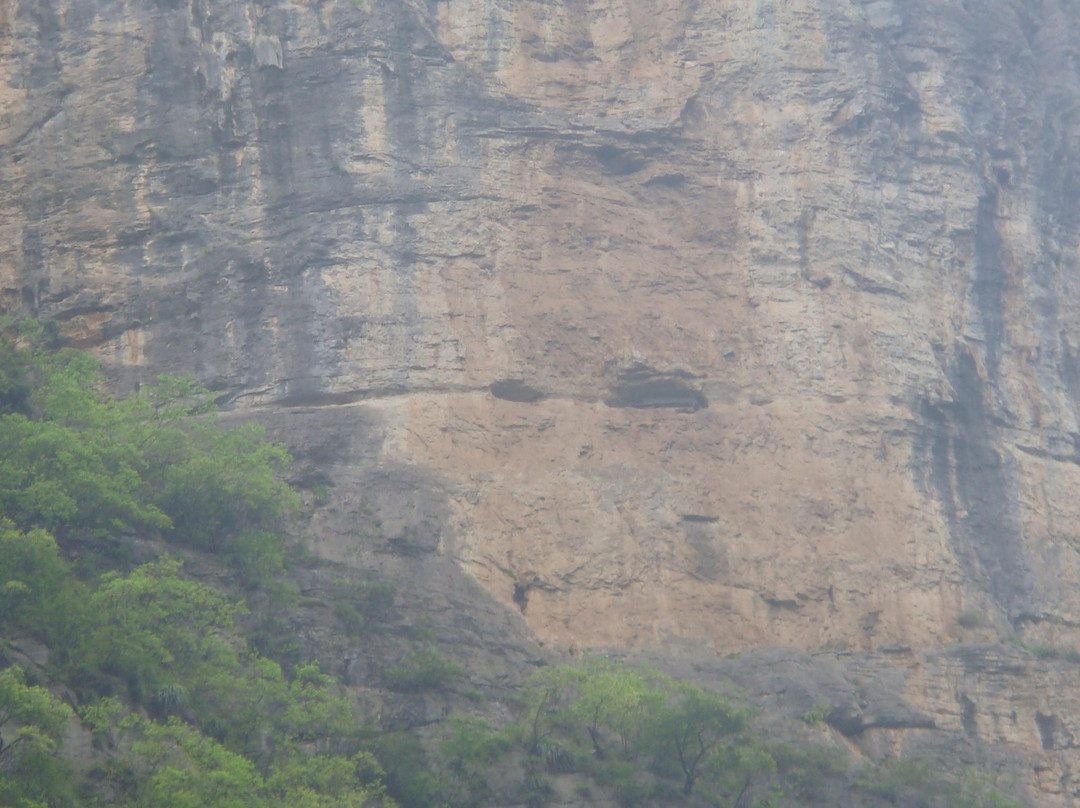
<point>851,228</point>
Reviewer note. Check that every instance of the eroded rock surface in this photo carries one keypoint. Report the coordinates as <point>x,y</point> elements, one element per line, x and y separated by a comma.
<point>732,322</point>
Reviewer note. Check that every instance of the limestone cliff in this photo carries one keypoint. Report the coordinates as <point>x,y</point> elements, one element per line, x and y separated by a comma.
<point>708,324</point>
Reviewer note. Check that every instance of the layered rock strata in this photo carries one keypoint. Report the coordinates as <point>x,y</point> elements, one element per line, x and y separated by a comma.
<point>723,322</point>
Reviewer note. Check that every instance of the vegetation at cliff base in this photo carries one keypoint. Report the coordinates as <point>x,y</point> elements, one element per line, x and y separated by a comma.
<point>146,659</point>
<point>182,709</point>
<point>637,737</point>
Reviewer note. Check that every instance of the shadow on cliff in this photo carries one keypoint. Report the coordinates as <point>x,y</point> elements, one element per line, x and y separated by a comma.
<point>959,466</point>
<point>368,510</point>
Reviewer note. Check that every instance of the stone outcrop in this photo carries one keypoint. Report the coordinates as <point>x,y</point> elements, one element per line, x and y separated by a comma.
<point>722,323</point>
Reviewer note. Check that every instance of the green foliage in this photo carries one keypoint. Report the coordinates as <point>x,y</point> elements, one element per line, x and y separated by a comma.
<point>470,743</point>
<point>652,740</point>
<point>29,715</point>
<point>980,790</point>
<point>174,766</point>
<point>359,605</point>
<point>410,778</point>
<point>177,767</point>
<point>231,718</point>
<point>537,791</point>
<point>219,484</point>
<point>14,375</point>
<point>817,714</point>
<point>150,629</point>
<point>449,771</point>
<point>608,696</point>
<point>326,781</point>
<point>694,730</point>
<point>55,475</point>
<point>34,582</point>
<point>628,782</point>
<point>921,784</point>
<point>76,461</point>
<point>807,770</point>
<point>32,721</point>
<point>466,750</point>
<point>189,714</point>
<point>235,720</point>
<point>1045,651</point>
<point>423,670</point>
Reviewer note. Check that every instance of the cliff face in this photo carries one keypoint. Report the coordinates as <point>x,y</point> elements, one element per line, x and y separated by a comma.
<point>715,324</point>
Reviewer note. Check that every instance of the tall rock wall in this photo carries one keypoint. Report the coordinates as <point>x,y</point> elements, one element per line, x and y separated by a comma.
<point>704,324</point>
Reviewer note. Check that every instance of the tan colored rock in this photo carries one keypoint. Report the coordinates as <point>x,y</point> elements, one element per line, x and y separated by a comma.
<point>726,322</point>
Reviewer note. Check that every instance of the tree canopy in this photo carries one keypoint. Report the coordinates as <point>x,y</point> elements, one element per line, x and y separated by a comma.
<point>185,711</point>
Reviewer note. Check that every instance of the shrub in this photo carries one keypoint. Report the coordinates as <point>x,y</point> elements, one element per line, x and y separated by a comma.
<point>423,670</point>
<point>919,783</point>
<point>817,714</point>
<point>971,619</point>
<point>360,604</point>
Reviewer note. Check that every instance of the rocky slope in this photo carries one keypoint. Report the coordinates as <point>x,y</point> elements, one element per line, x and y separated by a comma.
<point>672,324</point>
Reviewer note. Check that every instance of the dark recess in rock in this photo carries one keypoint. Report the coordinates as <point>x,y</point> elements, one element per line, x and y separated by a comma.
<point>852,722</point>
<point>316,399</point>
<point>783,603</point>
<point>411,545</point>
<point>967,717</point>
<point>990,659</point>
<point>659,392</point>
<point>1052,732</point>
<point>1046,729</point>
<point>521,595</point>
<point>515,390</point>
<point>710,559</point>
<point>697,517</point>
<point>617,162</point>
<point>642,386</point>
<point>900,648</point>
<point>667,181</point>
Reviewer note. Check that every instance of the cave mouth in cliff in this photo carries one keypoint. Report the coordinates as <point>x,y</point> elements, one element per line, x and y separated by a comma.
<point>516,390</point>
<point>655,393</point>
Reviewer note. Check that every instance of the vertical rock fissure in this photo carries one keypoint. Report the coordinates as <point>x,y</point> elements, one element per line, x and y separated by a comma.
<point>988,286</point>
<point>973,484</point>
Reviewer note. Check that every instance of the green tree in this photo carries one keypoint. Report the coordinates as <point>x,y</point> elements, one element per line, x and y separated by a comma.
<point>14,373</point>
<point>32,722</point>
<point>248,703</point>
<point>327,781</point>
<point>217,485</point>
<point>39,595</point>
<point>918,783</point>
<point>543,707</point>
<point>421,670</point>
<point>696,742</point>
<point>607,696</point>
<point>153,628</point>
<point>74,460</point>
<point>33,579</point>
<point>58,476</point>
<point>180,768</point>
<point>693,727</point>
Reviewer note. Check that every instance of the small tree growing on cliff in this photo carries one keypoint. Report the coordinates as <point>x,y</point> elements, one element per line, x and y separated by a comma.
<point>692,730</point>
